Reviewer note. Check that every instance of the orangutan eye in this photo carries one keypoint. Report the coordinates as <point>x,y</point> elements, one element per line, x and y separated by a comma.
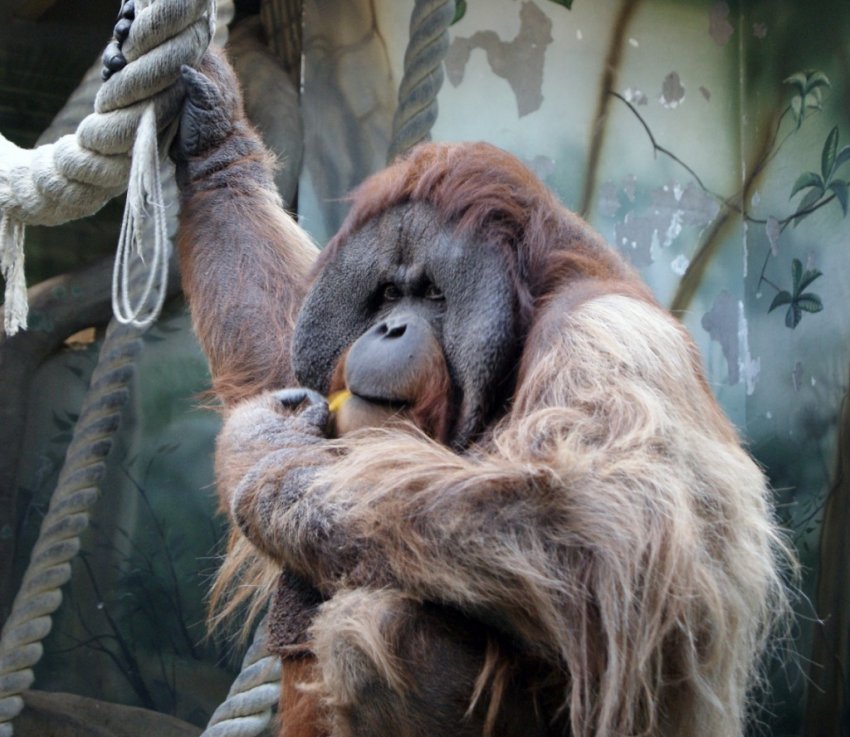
<point>433,293</point>
<point>391,293</point>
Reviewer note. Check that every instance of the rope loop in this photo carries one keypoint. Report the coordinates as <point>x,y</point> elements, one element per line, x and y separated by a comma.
<point>58,182</point>
<point>144,204</point>
<point>63,181</point>
<point>80,173</point>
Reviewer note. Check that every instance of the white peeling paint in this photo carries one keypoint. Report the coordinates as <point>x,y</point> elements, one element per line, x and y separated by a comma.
<point>773,231</point>
<point>749,368</point>
<point>674,229</point>
<point>680,264</point>
<point>635,96</point>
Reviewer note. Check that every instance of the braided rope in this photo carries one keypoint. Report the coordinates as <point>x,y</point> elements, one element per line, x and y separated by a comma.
<point>78,174</point>
<point>67,517</point>
<point>423,74</point>
<point>247,710</point>
<point>74,178</point>
<point>51,184</point>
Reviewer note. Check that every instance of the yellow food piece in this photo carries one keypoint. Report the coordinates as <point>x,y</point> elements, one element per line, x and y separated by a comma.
<point>337,399</point>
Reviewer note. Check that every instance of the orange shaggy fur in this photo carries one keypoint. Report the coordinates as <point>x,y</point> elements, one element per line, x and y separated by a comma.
<point>610,521</point>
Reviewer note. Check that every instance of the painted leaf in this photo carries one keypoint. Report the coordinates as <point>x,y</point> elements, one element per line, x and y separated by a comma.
<point>797,108</point>
<point>830,149</point>
<point>816,79</point>
<point>842,158</point>
<point>797,80</point>
<point>809,302</point>
<point>460,11</point>
<point>783,298</point>
<point>839,188</point>
<point>793,316</point>
<point>813,100</point>
<point>805,180</point>
<point>803,209</point>
<point>805,280</point>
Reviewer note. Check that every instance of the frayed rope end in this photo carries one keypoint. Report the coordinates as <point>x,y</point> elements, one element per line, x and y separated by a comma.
<point>12,265</point>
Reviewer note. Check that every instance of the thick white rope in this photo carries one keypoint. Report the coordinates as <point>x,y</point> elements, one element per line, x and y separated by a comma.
<point>78,174</point>
<point>49,185</point>
<point>249,706</point>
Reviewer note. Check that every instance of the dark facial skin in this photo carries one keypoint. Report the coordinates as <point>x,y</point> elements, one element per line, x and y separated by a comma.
<point>388,363</point>
<point>402,288</point>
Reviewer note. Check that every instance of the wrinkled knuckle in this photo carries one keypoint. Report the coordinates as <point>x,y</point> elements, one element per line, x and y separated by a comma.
<point>316,418</point>
<point>122,30</point>
<point>290,398</point>
<point>113,60</point>
<point>315,399</point>
<point>128,10</point>
<point>308,408</point>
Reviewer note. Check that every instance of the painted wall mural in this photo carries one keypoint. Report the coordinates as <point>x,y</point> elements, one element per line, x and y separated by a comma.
<point>708,141</point>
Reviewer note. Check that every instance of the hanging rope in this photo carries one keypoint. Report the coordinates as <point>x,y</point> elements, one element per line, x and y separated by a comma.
<point>50,185</point>
<point>247,710</point>
<point>67,517</point>
<point>73,178</point>
<point>423,74</point>
<point>78,174</point>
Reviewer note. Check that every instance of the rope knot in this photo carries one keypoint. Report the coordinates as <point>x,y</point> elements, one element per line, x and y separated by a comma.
<point>77,175</point>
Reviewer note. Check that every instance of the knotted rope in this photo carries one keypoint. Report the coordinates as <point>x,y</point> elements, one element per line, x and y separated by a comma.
<point>423,74</point>
<point>51,184</point>
<point>78,174</point>
<point>75,177</point>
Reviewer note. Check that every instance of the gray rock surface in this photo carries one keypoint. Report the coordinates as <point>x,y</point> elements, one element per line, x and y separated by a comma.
<point>49,714</point>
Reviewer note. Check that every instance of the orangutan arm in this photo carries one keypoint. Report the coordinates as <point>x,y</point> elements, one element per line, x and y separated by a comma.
<point>244,261</point>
